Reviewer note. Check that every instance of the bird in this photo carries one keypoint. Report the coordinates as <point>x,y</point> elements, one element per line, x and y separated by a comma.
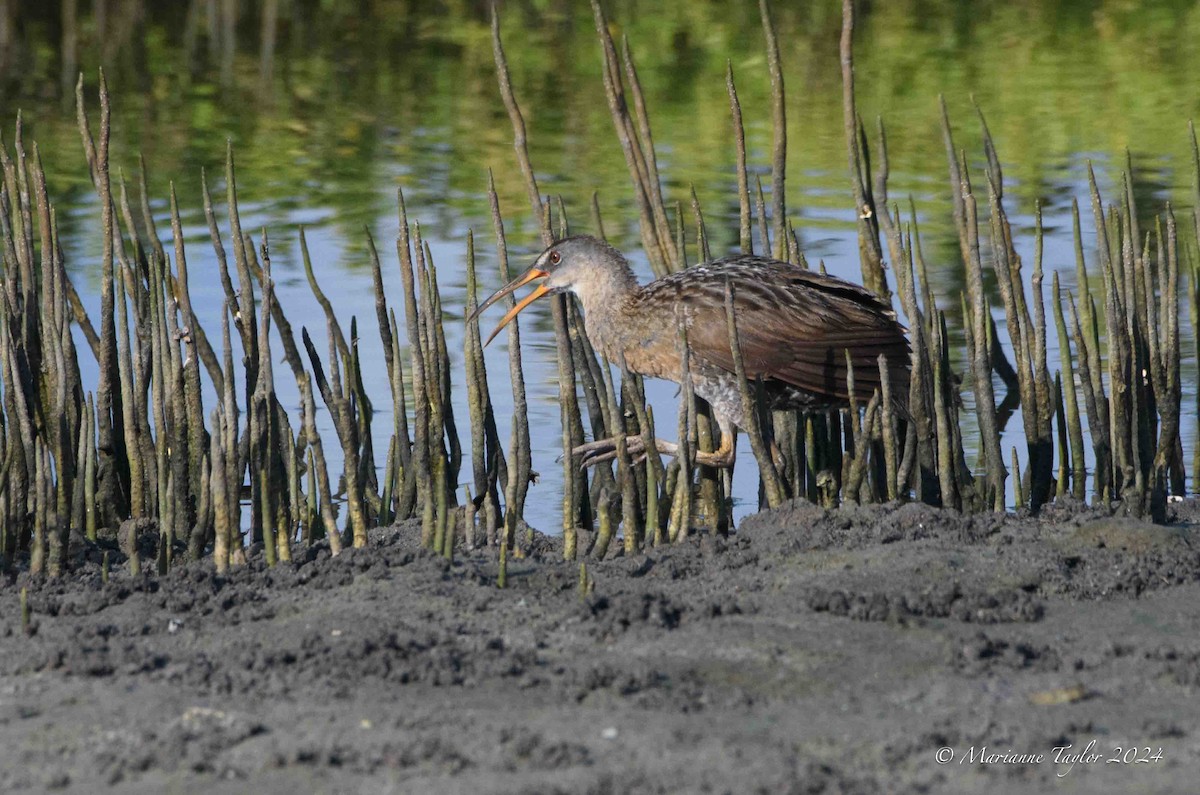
<point>794,328</point>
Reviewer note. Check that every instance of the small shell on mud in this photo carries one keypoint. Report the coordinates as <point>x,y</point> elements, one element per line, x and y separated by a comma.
<point>1060,695</point>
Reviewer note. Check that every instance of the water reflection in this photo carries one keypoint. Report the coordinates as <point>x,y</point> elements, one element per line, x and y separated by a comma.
<point>332,106</point>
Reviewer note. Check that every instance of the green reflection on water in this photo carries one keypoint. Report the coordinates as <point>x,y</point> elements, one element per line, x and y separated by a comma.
<point>333,105</point>
<point>357,97</point>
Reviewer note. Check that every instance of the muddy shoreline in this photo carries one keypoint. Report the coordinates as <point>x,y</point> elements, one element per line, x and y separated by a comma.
<point>812,651</point>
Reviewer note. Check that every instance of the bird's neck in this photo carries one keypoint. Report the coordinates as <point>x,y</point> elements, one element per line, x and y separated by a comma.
<point>605,301</point>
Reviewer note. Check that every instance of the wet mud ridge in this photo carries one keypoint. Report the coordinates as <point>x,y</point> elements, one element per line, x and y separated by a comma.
<point>814,651</point>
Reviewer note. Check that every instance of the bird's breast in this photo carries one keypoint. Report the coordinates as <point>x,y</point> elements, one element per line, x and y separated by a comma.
<point>656,361</point>
<point>649,347</point>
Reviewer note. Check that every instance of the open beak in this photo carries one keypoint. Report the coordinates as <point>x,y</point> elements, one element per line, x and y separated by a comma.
<point>525,278</point>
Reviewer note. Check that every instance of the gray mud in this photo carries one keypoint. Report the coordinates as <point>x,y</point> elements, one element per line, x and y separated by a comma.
<point>812,652</point>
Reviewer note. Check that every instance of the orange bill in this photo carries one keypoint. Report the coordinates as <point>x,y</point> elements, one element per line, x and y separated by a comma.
<point>525,278</point>
<point>537,293</point>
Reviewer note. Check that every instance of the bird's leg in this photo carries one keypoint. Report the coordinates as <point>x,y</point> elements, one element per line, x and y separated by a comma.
<point>777,457</point>
<point>722,457</point>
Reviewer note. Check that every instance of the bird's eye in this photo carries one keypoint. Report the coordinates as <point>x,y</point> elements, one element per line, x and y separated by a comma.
<point>555,258</point>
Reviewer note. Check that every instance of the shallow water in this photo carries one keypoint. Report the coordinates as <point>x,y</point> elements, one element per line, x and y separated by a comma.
<point>333,106</point>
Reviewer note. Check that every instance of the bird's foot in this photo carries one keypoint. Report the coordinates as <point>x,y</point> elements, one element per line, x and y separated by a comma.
<point>604,450</point>
<point>722,458</point>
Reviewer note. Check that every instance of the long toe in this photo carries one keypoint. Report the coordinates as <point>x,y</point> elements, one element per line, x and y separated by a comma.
<point>666,448</point>
<point>717,460</point>
<point>604,450</point>
<point>594,457</point>
<point>598,446</point>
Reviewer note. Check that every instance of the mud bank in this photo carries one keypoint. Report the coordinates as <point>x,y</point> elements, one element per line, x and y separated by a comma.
<point>813,651</point>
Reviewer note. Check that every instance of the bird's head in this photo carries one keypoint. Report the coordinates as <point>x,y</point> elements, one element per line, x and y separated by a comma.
<point>573,264</point>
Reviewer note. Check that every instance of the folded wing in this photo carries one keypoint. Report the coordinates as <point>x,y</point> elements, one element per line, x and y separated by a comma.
<point>794,326</point>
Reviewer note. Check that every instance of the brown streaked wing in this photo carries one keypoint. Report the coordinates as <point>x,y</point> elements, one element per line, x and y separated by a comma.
<point>794,326</point>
